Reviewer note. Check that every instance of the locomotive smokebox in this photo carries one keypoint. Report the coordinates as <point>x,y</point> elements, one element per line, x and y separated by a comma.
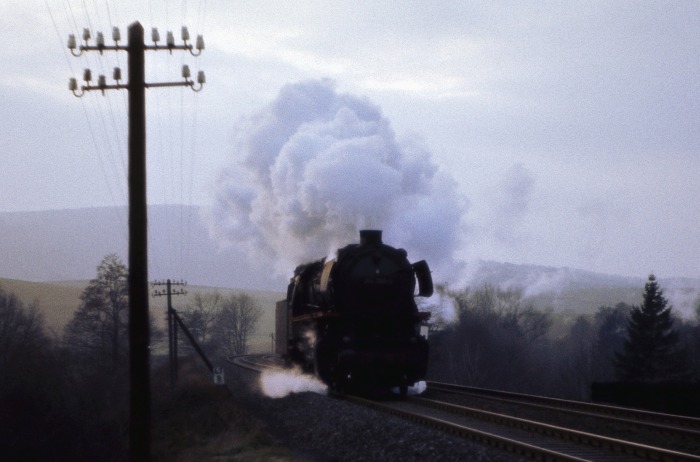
<point>371,237</point>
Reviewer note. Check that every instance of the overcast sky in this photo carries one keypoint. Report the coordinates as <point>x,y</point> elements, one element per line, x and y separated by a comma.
<point>570,129</point>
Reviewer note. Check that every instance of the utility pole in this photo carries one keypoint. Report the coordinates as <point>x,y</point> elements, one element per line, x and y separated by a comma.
<point>172,326</point>
<point>140,396</point>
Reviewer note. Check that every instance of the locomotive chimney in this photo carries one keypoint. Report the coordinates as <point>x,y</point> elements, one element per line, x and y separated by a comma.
<point>371,237</point>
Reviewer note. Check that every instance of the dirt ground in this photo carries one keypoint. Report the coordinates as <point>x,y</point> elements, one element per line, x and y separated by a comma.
<point>200,421</point>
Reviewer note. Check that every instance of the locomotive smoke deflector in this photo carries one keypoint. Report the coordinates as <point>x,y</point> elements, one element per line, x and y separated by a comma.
<point>425,280</point>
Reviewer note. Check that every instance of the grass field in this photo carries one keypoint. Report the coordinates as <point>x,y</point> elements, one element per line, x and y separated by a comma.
<point>59,300</point>
<point>56,300</point>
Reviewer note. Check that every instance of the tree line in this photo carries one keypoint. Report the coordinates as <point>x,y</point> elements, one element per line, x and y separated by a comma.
<point>500,340</point>
<point>64,396</point>
<point>222,324</point>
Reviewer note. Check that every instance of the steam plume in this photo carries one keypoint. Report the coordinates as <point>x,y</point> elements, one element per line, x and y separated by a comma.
<point>281,383</point>
<point>315,166</point>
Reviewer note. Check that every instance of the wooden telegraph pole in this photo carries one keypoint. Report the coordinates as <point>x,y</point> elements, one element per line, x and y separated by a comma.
<point>139,361</point>
<point>140,401</point>
<point>172,325</point>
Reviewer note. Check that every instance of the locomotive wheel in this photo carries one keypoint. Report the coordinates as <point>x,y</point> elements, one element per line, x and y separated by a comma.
<point>324,362</point>
<point>403,387</point>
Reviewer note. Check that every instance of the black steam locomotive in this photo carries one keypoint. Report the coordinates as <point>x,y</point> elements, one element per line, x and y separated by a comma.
<point>353,320</point>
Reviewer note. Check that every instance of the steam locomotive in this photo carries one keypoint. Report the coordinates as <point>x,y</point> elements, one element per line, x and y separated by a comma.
<point>353,320</point>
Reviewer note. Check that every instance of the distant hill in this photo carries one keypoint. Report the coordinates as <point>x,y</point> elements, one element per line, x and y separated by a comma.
<point>581,291</point>
<point>67,245</point>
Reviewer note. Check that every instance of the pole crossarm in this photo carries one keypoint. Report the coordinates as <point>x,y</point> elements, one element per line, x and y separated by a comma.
<point>139,47</point>
<point>125,86</point>
<point>84,48</point>
<point>116,36</point>
<point>186,83</point>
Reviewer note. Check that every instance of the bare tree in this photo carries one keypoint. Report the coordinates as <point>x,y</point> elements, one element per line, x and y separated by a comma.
<point>236,321</point>
<point>574,359</point>
<point>201,316</point>
<point>498,340</point>
<point>611,331</point>
<point>99,328</point>
<point>22,335</point>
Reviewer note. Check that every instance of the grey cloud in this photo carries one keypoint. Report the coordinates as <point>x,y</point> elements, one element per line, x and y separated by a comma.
<point>511,203</point>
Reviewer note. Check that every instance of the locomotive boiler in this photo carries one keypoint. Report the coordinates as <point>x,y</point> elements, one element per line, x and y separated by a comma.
<point>353,319</point>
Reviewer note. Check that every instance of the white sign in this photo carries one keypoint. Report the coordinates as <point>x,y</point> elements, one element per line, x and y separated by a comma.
<point>218,376</point>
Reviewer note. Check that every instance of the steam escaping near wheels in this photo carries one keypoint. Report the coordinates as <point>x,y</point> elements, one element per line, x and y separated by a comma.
<point>414,390</point>
<point>282,383</point>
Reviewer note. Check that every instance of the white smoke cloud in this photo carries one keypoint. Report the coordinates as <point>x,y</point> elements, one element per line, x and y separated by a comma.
<point>315,166</point>
<point>281,383</point>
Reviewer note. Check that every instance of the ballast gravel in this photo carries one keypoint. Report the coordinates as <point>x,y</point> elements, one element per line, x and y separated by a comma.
<point>316,427</point>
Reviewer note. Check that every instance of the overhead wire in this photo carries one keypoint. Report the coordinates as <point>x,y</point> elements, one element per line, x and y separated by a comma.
<point>95,60</point>
<point>108,178</point>
<point>114,154</point>
<point>155,149</point>
<point>122,150</point>
<point>93,137</point>
<point>166,166</point>
<point>107,134</point>
<point>188,153</point>
<point>198,30</point>
<point>183,233</point>
<point>112,24</point>
<point>168,156</point>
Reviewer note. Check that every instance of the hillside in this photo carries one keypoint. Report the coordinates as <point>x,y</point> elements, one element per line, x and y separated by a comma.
<point>56,300</point>
<point>67,245</point>
<point>575,290</point>
<point>59,300</point>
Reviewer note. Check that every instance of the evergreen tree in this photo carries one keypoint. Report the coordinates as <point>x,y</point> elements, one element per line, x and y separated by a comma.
<point>651,352</point>
<point>611,330</point>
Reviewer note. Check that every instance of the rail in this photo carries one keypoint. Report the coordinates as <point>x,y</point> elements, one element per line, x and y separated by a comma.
<point>665,423</point>
<point>522,436</point>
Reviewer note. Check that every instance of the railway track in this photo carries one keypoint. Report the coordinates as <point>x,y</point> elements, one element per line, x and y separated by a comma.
<point>673,432</point>
<point>522,436</point>
<point>525,437</point>
<point>662,422</point>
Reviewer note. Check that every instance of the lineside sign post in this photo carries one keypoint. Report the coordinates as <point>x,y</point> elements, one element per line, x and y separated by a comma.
<point>219,376</point>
